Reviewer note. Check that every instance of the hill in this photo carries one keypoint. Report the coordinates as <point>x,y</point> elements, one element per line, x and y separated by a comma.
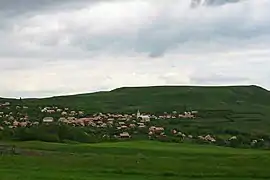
<point>133,160</point>
<point>164,98</point>
<point>223,111</point>
<point>245,109</point>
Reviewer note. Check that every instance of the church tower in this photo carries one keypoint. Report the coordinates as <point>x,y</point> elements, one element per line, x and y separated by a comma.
<point>138,114</point>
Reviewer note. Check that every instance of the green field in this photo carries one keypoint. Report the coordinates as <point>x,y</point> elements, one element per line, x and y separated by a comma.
<point>133,160</point>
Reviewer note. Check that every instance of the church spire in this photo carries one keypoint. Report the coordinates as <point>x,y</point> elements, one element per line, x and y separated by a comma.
<point>138,114</point>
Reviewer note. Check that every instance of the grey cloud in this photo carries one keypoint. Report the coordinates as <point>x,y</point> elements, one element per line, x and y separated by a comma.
<point>219,79</point>
<point>65,41</point>
<point>165,34</point>
<point>155,44</point>
<point>14,7</point>
<point>162,34</point>
<point>185,33</point>
<point>22,6</point>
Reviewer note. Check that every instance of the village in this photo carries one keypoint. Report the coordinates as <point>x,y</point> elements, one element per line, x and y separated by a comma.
<point>14,116</point>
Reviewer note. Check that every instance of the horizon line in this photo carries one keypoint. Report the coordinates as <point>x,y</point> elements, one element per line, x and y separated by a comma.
<point>112,89</point>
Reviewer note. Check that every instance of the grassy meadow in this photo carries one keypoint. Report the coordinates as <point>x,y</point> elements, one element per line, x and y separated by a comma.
<point>134,161</point>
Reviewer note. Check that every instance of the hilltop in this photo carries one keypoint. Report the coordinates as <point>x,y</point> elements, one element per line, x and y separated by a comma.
<point>164,98</point>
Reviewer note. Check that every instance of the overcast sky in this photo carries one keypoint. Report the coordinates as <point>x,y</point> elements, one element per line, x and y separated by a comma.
<point>53,47</point>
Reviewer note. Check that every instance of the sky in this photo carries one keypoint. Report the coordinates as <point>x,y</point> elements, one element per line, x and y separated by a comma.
<point>56,47</point>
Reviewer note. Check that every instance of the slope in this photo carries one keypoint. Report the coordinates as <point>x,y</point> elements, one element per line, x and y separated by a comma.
<point>223,110</point>
<point>165,98</point>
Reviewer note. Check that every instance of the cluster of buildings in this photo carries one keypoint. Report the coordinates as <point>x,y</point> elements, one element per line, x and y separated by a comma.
<point>17,116</point>
<point>176,115</point>
<point>125,124</point>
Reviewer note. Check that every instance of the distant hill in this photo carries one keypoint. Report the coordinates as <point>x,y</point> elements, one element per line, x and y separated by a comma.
<point>163,98</point>
<point>222,110</point>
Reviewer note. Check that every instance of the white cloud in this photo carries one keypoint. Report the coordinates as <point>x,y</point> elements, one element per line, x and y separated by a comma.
<point>109,44</point>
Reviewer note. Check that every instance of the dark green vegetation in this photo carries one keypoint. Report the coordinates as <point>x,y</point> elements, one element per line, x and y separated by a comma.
<point>242,111</point>
<point>134,161</point>
<point>246,99</point>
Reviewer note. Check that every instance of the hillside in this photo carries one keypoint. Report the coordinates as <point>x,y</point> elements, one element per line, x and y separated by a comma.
<point>165,98</point>
<point>223,112</point>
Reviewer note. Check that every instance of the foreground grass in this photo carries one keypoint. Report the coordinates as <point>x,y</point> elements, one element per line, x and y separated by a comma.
<point>134,160</point>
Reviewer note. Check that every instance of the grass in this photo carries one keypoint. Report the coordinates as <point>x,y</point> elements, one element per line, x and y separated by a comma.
<point>242,108</point>
<point>134,160</point>
<point>152,99</point>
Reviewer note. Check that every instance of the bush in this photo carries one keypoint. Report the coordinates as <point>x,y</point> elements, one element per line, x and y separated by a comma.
<point>48,137</point>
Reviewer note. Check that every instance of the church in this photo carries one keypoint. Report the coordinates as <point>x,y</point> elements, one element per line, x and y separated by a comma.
<point>142,118</point>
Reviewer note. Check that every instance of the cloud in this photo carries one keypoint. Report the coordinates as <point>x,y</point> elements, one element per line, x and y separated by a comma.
<point>100,45</point>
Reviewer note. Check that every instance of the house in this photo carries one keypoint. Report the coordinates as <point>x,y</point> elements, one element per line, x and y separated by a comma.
<point>50,111</point>
<point>156,129</point>
<point>43,110</point>
<point>121,123</point>
<point>11,118</point>
<point>81,113</point>
<point>23,124</point>
<point>254,142</point>
<point>92,124</point>
<point>64,113</point>
<point>73,113</point>
<point>144,118</point>
<point>233,138</point>
<point>132,125</point>
<point>7,123</point>
<point>174,131</point>
<point>209,138</point>
<point>47,120</point>
<point>125,135</point>
<point>141,125</point>
<point>62,119</point>
<point>124,127</point>
<point>103,125</point>
<point>71,118</point>
<point>15,123</point>
<point>6,104</point>
<point>35,123</point>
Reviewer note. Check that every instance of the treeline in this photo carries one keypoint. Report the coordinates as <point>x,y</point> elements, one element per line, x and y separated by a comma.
<point>240,142</point>
<point>54,133</point>
<point>66,133</point>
